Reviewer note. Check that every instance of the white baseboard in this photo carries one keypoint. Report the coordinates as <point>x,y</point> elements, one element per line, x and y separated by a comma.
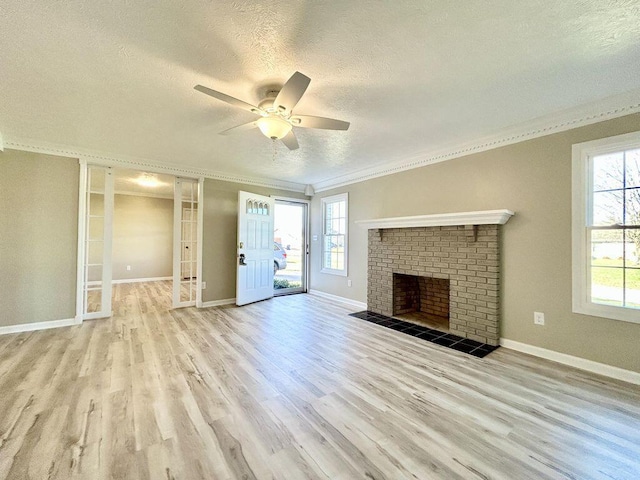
<point>138,280</point>
<point>336,298</point>
<point>30,327</point>
<point>97,283</point>
<point>217,303</point>
<point>577,362</point>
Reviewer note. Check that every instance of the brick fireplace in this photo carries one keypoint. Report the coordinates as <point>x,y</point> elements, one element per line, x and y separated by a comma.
<point>465,258</point>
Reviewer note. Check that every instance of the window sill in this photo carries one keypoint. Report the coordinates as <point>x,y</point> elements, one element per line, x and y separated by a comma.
<point>330,271</point>
<point>622,314</point>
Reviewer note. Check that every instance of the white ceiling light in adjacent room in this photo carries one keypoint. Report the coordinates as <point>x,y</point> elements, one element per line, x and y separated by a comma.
<point>148,180</point>
<point>145,184</point>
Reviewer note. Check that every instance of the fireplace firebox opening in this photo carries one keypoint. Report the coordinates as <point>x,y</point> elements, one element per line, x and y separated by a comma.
<point>421,299</point>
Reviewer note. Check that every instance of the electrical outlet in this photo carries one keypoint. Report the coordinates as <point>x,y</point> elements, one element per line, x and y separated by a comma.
<point>128,268</point>
<point>204,285</point>
<point>349,283</point>
<point>538,318</point>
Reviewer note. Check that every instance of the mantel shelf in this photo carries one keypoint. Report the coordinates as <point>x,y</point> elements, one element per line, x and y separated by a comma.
<point>486,217</point>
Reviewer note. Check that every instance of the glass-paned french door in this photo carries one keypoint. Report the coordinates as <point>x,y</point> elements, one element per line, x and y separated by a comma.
<point>96,277</point>
<point>185,244</point>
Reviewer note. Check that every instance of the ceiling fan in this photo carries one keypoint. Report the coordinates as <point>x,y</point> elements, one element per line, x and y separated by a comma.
<point>276,112</point>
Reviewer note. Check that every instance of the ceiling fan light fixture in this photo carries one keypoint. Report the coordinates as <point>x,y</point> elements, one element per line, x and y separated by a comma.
<point>276,112</point>
<point>274,127</point>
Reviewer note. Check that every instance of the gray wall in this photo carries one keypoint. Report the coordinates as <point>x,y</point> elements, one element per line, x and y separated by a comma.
<point>532,178</point>
<point>38,229</point>
<point>142,237</point>
<point>38,237</point>
<point>220,233</point>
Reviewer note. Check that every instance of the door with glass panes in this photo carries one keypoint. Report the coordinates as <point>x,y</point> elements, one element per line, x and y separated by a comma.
<point>96,242</point>
<point>185,254</point>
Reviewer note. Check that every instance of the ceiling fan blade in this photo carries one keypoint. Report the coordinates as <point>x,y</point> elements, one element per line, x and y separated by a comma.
<point>309,121</point>
<point>292,92</point>
<point>240,128</point>
<point>290,141</point>
<point>230,100</point>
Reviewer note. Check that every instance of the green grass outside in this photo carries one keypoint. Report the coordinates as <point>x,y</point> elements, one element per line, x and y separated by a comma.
<point>612,277</point>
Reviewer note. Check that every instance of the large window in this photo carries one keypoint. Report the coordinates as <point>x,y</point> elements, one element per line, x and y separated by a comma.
<point>334,230</point>
<point>606,228</point>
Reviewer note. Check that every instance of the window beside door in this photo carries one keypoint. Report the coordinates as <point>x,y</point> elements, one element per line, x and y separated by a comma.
<point>335,234</point>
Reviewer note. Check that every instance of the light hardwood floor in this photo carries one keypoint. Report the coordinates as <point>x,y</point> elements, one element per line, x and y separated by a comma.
<point>294,388</point>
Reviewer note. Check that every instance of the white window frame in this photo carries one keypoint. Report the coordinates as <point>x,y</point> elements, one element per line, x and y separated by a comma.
<point>582,186</point>
<point>334,199</point>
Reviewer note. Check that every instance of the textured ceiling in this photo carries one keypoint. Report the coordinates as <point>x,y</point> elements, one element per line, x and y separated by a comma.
<point>411,76</point>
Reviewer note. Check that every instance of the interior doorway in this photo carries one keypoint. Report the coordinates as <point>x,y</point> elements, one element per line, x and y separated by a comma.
<point>291,246</point>
<point>138,235</point>
<point>142,256</point>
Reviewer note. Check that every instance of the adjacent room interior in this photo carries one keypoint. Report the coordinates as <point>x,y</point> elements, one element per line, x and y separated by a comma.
<point>320,240</point>
<point>142,256</point>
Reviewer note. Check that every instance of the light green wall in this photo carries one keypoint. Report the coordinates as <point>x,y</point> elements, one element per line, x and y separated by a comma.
<point>142,237</point>
<point>38,237</point>
<point>532,178</point>
<point>220,227</point>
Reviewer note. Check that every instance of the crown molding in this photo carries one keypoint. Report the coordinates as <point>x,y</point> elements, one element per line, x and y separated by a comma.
<point>594,112</point>
<point>485,217</point>
<point>135,163</point>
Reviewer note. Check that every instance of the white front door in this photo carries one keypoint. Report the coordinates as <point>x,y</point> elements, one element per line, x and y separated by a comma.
<point>254,279</point>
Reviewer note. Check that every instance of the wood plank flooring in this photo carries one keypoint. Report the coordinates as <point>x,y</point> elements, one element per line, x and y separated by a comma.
<point>294,388</point>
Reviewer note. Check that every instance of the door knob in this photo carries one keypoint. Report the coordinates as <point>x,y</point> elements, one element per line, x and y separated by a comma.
<point>241,261</point>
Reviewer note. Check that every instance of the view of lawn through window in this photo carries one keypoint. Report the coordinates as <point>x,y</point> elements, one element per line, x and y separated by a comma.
<point>335,229</point>
<point>615,229</point>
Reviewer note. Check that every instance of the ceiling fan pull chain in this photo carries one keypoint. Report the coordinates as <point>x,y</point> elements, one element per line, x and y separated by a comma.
<point>275,149</point>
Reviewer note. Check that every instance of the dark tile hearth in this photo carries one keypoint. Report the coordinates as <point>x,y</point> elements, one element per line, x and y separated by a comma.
<point>449,340</point>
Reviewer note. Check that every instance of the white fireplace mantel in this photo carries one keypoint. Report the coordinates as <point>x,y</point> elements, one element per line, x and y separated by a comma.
<point>486,217</point>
